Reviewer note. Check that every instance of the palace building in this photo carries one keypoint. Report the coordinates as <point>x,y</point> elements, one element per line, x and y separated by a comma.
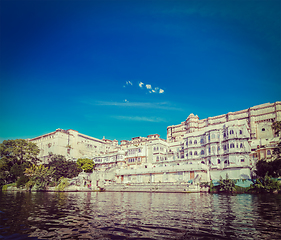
<point>195,150</point>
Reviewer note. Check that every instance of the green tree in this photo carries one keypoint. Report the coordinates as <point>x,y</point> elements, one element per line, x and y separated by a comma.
<point>15,156</point>
<point>63,168</point>
<point>86,164</point>
<point>39,177</point>
<point>226,185</point>
<point>265,184</point>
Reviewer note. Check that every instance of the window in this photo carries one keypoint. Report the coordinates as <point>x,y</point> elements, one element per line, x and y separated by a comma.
<point>195,141</point>
<point>202,152</point>
<point>268,152</point>
<point>190,142</point>
<point>213,136</point>
<point>224,147</point>
<point>190,153</point>
<point>219,161</point>
<point>232,145</point>
<point>231,132</point>
<point>195,153</point>
<point>187,154</point>
<point>209,150</point>
<point>224,135</point>
<point>242,160</point>
<point>202,141</point>
<point>263,129</point>
<point>203,162</point>
<point>241,145</point>
<point>209,137</point>
<point>240,132</point>
<point>219,148</point>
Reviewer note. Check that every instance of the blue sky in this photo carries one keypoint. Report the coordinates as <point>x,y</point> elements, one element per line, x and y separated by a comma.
<point>122,69</point>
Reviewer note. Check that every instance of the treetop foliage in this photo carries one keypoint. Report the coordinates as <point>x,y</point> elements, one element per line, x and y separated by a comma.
<point>63,167</point>
<point>18,151</point>
<point>86,164</point>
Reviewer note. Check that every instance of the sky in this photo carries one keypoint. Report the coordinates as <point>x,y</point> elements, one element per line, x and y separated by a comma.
<point>121,69</point>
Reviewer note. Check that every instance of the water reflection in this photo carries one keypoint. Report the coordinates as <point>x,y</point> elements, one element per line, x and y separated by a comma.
<point>113,215</point>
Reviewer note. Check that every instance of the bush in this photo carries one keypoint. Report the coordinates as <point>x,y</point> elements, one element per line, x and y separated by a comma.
<point>63,183</point>
<point>226,185</point>
<point>266,184</point>
<point>22,181</point>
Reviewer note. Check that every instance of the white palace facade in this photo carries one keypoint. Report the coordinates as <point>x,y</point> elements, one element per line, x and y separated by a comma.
<point>195,150</point>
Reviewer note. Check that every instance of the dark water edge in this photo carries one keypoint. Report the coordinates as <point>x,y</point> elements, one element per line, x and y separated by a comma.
<point>139,215</point>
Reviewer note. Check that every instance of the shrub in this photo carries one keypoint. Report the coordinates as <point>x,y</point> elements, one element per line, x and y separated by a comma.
<point>63,183</point>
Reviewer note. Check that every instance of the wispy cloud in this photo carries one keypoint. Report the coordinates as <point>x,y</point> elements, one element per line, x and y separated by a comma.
<point>128,83</point>
<point>139,118</point>
<point>126,103</point>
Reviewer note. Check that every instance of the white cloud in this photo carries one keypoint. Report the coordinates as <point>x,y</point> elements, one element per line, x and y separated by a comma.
<point>148,86</point>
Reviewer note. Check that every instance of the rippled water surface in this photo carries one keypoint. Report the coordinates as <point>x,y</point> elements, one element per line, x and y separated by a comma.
<point>115,215</point>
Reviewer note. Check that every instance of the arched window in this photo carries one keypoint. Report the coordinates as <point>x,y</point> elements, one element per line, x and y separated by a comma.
<point>241,145</point>
<point>190,153</point>
<point>187,154</point>
<point>190,142</point>
<point>268,152</point>
<point>195,153</point>
<point>195,141</point>
<point>202,140</point>
<point>240,132</point>
<point>232,145</point>
<point>219,161</point>
<point>231,132</point>
<point>263,129</point>
<point>224,135</point>
<point>209,150</point>
<point>202,152</point>
<point>219,148</point>
<point>203,162</point>
<point>213,136</point>
<point>209,137</point>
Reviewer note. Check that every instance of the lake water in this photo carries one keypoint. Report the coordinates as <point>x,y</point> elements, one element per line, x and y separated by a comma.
<point>131,215</point>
